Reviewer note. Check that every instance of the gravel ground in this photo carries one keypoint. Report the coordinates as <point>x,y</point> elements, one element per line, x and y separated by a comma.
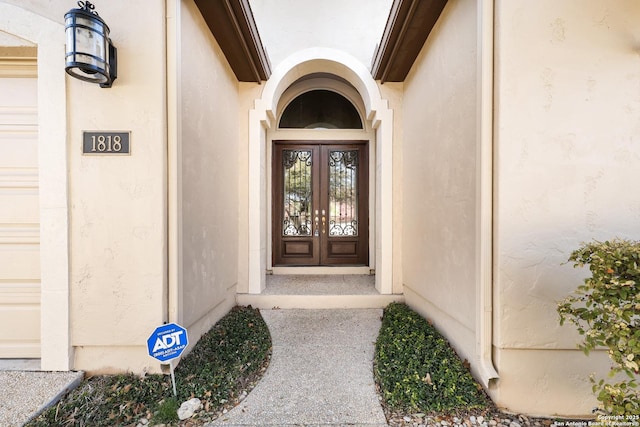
<point>490,419</point>
<point>28,393</point>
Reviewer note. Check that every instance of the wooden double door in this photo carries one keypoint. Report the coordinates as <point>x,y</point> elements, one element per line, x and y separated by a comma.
<point>320,203</point>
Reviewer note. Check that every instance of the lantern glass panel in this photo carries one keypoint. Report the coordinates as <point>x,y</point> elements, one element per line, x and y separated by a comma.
<point>89,42</point>
<point>91,23</point>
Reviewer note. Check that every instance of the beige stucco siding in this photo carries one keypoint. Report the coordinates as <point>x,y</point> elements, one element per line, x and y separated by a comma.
<point>566,143</point>
<point>118,203</point>
<point>439,177</point>
<point>209,138</point>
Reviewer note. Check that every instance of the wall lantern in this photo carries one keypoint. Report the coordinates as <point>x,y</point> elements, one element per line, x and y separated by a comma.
<point>90,55</point>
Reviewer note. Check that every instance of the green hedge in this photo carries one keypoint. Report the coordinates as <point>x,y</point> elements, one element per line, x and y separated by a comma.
<point>606,312</point>
<point>417,370</point>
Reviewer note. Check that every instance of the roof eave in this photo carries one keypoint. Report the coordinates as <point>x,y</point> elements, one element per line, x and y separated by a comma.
<point>409,24</point>
<point>232,24</point>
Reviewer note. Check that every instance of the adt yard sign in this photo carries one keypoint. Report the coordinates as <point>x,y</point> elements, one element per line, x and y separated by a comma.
<point>167,342</point>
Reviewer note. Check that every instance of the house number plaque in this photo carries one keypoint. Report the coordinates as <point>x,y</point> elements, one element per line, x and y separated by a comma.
<point>106,143</point>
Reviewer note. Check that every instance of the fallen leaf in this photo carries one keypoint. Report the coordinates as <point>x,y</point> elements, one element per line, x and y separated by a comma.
<point>427,379</point>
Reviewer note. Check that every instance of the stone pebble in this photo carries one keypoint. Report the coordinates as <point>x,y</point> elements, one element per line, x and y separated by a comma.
<point>495,420</point>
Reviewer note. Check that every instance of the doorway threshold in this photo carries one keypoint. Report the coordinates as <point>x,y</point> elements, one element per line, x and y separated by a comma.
<point>320,284</point>
<point>318,291</point>
<point>327,271</point>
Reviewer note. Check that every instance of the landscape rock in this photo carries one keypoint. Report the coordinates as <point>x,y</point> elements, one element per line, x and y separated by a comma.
<point>189,408</point>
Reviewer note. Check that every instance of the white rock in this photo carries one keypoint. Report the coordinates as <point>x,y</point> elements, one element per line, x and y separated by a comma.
<point>189,408</point>
<point>473,420</point>
<point>514,424</point>
<point>480,419</point>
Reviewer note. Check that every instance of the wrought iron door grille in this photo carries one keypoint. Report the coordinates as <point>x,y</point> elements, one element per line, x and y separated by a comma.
<point>297,192</point>
<point>343,193</point>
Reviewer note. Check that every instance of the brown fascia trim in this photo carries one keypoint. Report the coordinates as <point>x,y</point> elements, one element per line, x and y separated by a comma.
<point>231,23</point>
<point>407,29</point>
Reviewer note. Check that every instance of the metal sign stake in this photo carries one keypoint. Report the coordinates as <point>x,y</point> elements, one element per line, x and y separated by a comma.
<point>173,379</point>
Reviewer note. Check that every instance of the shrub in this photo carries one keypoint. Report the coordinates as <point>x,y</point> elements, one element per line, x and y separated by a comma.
<point>417,370</point>
<point>606,312</point>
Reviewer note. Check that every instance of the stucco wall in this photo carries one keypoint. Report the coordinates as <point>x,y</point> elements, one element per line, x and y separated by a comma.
<point>439,177</point>
<point>118,203</point>
<point>118,290</point>
<point>567,157</point>
<point>48,36</point>
<point>209,139</point>
<point>53,10</point>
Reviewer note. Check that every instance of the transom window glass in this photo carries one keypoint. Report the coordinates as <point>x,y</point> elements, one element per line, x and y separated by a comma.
<point>320,109</point>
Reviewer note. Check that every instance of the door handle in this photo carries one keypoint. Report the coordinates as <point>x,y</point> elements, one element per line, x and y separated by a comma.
<point>324,223</point>
<point>315,232</point>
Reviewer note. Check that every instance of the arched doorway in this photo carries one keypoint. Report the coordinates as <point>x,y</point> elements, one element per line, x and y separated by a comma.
<point>320,196</point>
<point>291,78</point>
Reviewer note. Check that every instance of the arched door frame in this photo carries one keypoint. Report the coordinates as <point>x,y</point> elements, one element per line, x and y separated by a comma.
<point>367,133</point>
<point>49,36</point>
<point>263,117</point>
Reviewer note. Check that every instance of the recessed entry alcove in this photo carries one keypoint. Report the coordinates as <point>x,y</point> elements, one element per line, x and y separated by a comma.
<point>318,181</point>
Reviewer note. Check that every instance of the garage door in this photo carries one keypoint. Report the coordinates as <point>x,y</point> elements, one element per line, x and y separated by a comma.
<point>19,213</point>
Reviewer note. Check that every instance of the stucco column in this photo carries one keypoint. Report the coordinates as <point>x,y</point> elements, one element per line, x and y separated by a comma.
<point>56,351</point>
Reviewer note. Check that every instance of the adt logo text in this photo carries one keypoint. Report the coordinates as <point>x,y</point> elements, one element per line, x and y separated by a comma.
<point>167,341</point>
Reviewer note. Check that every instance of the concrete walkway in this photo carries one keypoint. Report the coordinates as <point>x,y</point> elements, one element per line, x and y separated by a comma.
<point>27,393</point>
<point>320,372</point>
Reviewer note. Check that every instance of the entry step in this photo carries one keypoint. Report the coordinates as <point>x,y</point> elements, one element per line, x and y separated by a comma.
<point>319,291</point>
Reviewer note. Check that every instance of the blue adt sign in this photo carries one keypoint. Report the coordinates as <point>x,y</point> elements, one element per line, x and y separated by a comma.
<point>167,342</point>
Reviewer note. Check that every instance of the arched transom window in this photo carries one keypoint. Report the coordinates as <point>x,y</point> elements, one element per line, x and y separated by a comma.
<point>320,109</point>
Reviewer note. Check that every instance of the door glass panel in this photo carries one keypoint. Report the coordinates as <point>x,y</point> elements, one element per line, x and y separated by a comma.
<point>343,193</point>
<point>296,166</point>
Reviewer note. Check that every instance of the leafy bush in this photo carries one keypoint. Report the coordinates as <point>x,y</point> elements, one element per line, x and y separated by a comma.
<point>606,311</point>
<point>226,360</point>
<point>417,370</point>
